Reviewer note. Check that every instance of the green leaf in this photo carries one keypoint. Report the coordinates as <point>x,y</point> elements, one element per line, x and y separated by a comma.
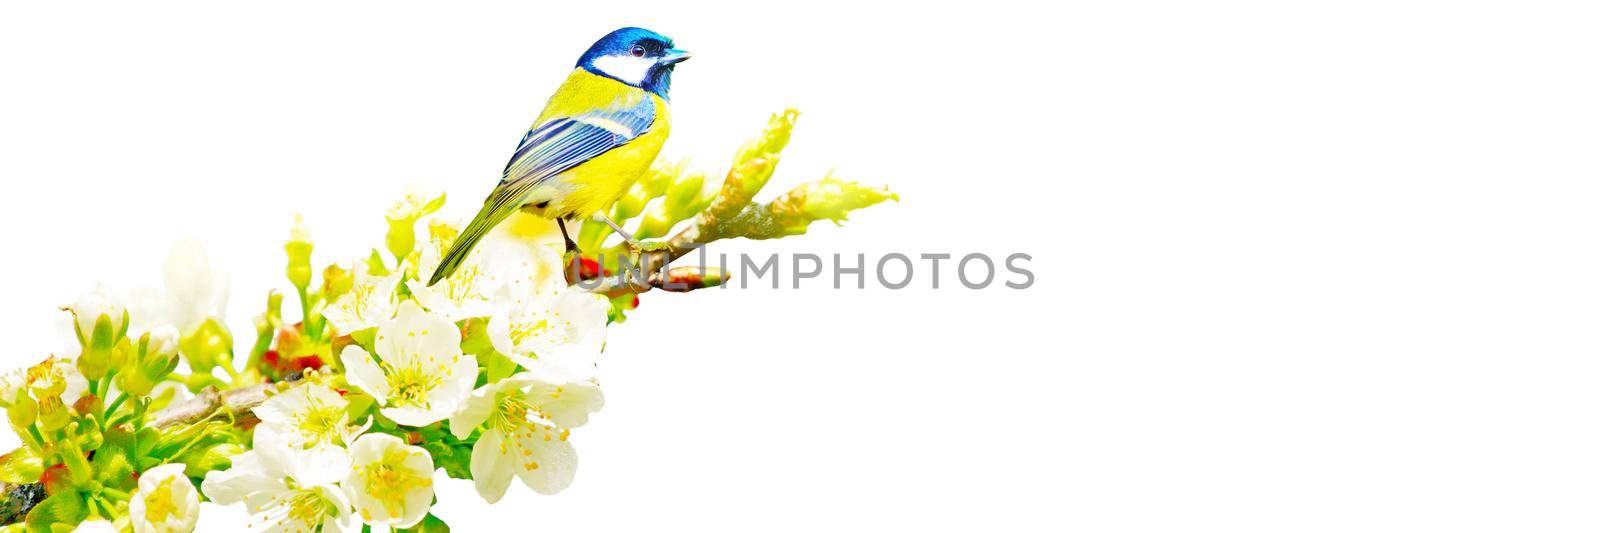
<point>433,205</point>
<point>429,524</point>
<point>450,453</point>
<point>65,509</point>
<point>20,467</point>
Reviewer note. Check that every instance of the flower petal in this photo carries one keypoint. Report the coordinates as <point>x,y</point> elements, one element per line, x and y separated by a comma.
<point>361,371</point>
<point>568,405</point>
<point>414,416</point>
<point>553,463</point>
<point>492,467</point>
<point>473,412</point>
<point>245,477</point>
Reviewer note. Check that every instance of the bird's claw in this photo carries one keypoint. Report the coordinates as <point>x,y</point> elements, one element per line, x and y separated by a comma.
<point>638,250</point>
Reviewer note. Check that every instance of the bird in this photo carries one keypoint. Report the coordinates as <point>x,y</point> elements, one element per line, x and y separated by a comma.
<point>597,135</point>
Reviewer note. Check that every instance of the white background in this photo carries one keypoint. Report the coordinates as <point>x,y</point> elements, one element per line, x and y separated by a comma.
<point>1300,266</point>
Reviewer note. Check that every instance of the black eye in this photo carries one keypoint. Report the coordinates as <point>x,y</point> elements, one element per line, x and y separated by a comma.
<point>637,51</point>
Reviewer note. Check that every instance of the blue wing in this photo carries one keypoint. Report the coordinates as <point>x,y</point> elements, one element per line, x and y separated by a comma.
<point>547,150</point>
<point>559,144</point>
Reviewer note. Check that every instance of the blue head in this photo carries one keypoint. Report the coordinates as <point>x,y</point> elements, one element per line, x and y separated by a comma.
<point>635,56</point>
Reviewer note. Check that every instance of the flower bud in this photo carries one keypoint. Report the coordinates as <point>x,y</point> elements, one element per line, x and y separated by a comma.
<point>160,342</point>
<point>681,196</point>
<point>657,221</point>
<point>208,346</point>
<point>100,321</point>
<point>403,217</point>
<point>401,238</point>
<point>299,250</point>
<point>754,163</point>
<point>95,360</point>
<point>630,205</point>
<point>157,357</point>
<point>826,199</point>
<point>93,307</point>
<point>661,177</point>
<point>274,307</point>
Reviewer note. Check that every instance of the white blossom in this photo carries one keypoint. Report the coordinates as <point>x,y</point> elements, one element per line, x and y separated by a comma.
<point>526,420</point>
<point>566,330</point>
<point>311,421</point>
<point>279,492</point>
<point>165,502</point>
<point>421,376</point>
<point>390,483</point>
<point>370,300</point>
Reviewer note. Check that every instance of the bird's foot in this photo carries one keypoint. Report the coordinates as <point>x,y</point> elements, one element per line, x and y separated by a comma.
<point>639,251</point>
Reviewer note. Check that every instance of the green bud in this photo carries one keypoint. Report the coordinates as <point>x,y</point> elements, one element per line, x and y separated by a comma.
<point>274,309</point>
<point>209,345</point>
<point>403,217</point>
<point>402,237</point>
<point>656,222</point>
<point>95,360</point>
<point>661,177</point>
<point>91,309</point>
<point>681,196</point>
<point>631,204</point>
<point>755,161</point>
<point>24,411</point>
<point>135,383</point>
<point>299,250</point>
<point>156,357</point>
<point>827,199</point>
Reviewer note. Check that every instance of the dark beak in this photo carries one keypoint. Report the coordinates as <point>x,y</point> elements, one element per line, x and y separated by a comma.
<point>674,56</point>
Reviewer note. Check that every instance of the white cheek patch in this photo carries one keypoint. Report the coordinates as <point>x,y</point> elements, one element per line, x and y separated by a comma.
<point>625,67</point>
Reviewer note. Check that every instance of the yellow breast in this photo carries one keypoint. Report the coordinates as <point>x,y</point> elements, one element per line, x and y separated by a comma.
<point>597,183</point>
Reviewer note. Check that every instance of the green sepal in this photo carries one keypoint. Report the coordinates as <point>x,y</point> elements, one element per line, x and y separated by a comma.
<point>496,365</point>
<point>375,265</point>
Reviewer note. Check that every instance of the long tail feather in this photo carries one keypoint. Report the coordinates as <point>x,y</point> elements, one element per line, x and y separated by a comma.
<point>490,216</point>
